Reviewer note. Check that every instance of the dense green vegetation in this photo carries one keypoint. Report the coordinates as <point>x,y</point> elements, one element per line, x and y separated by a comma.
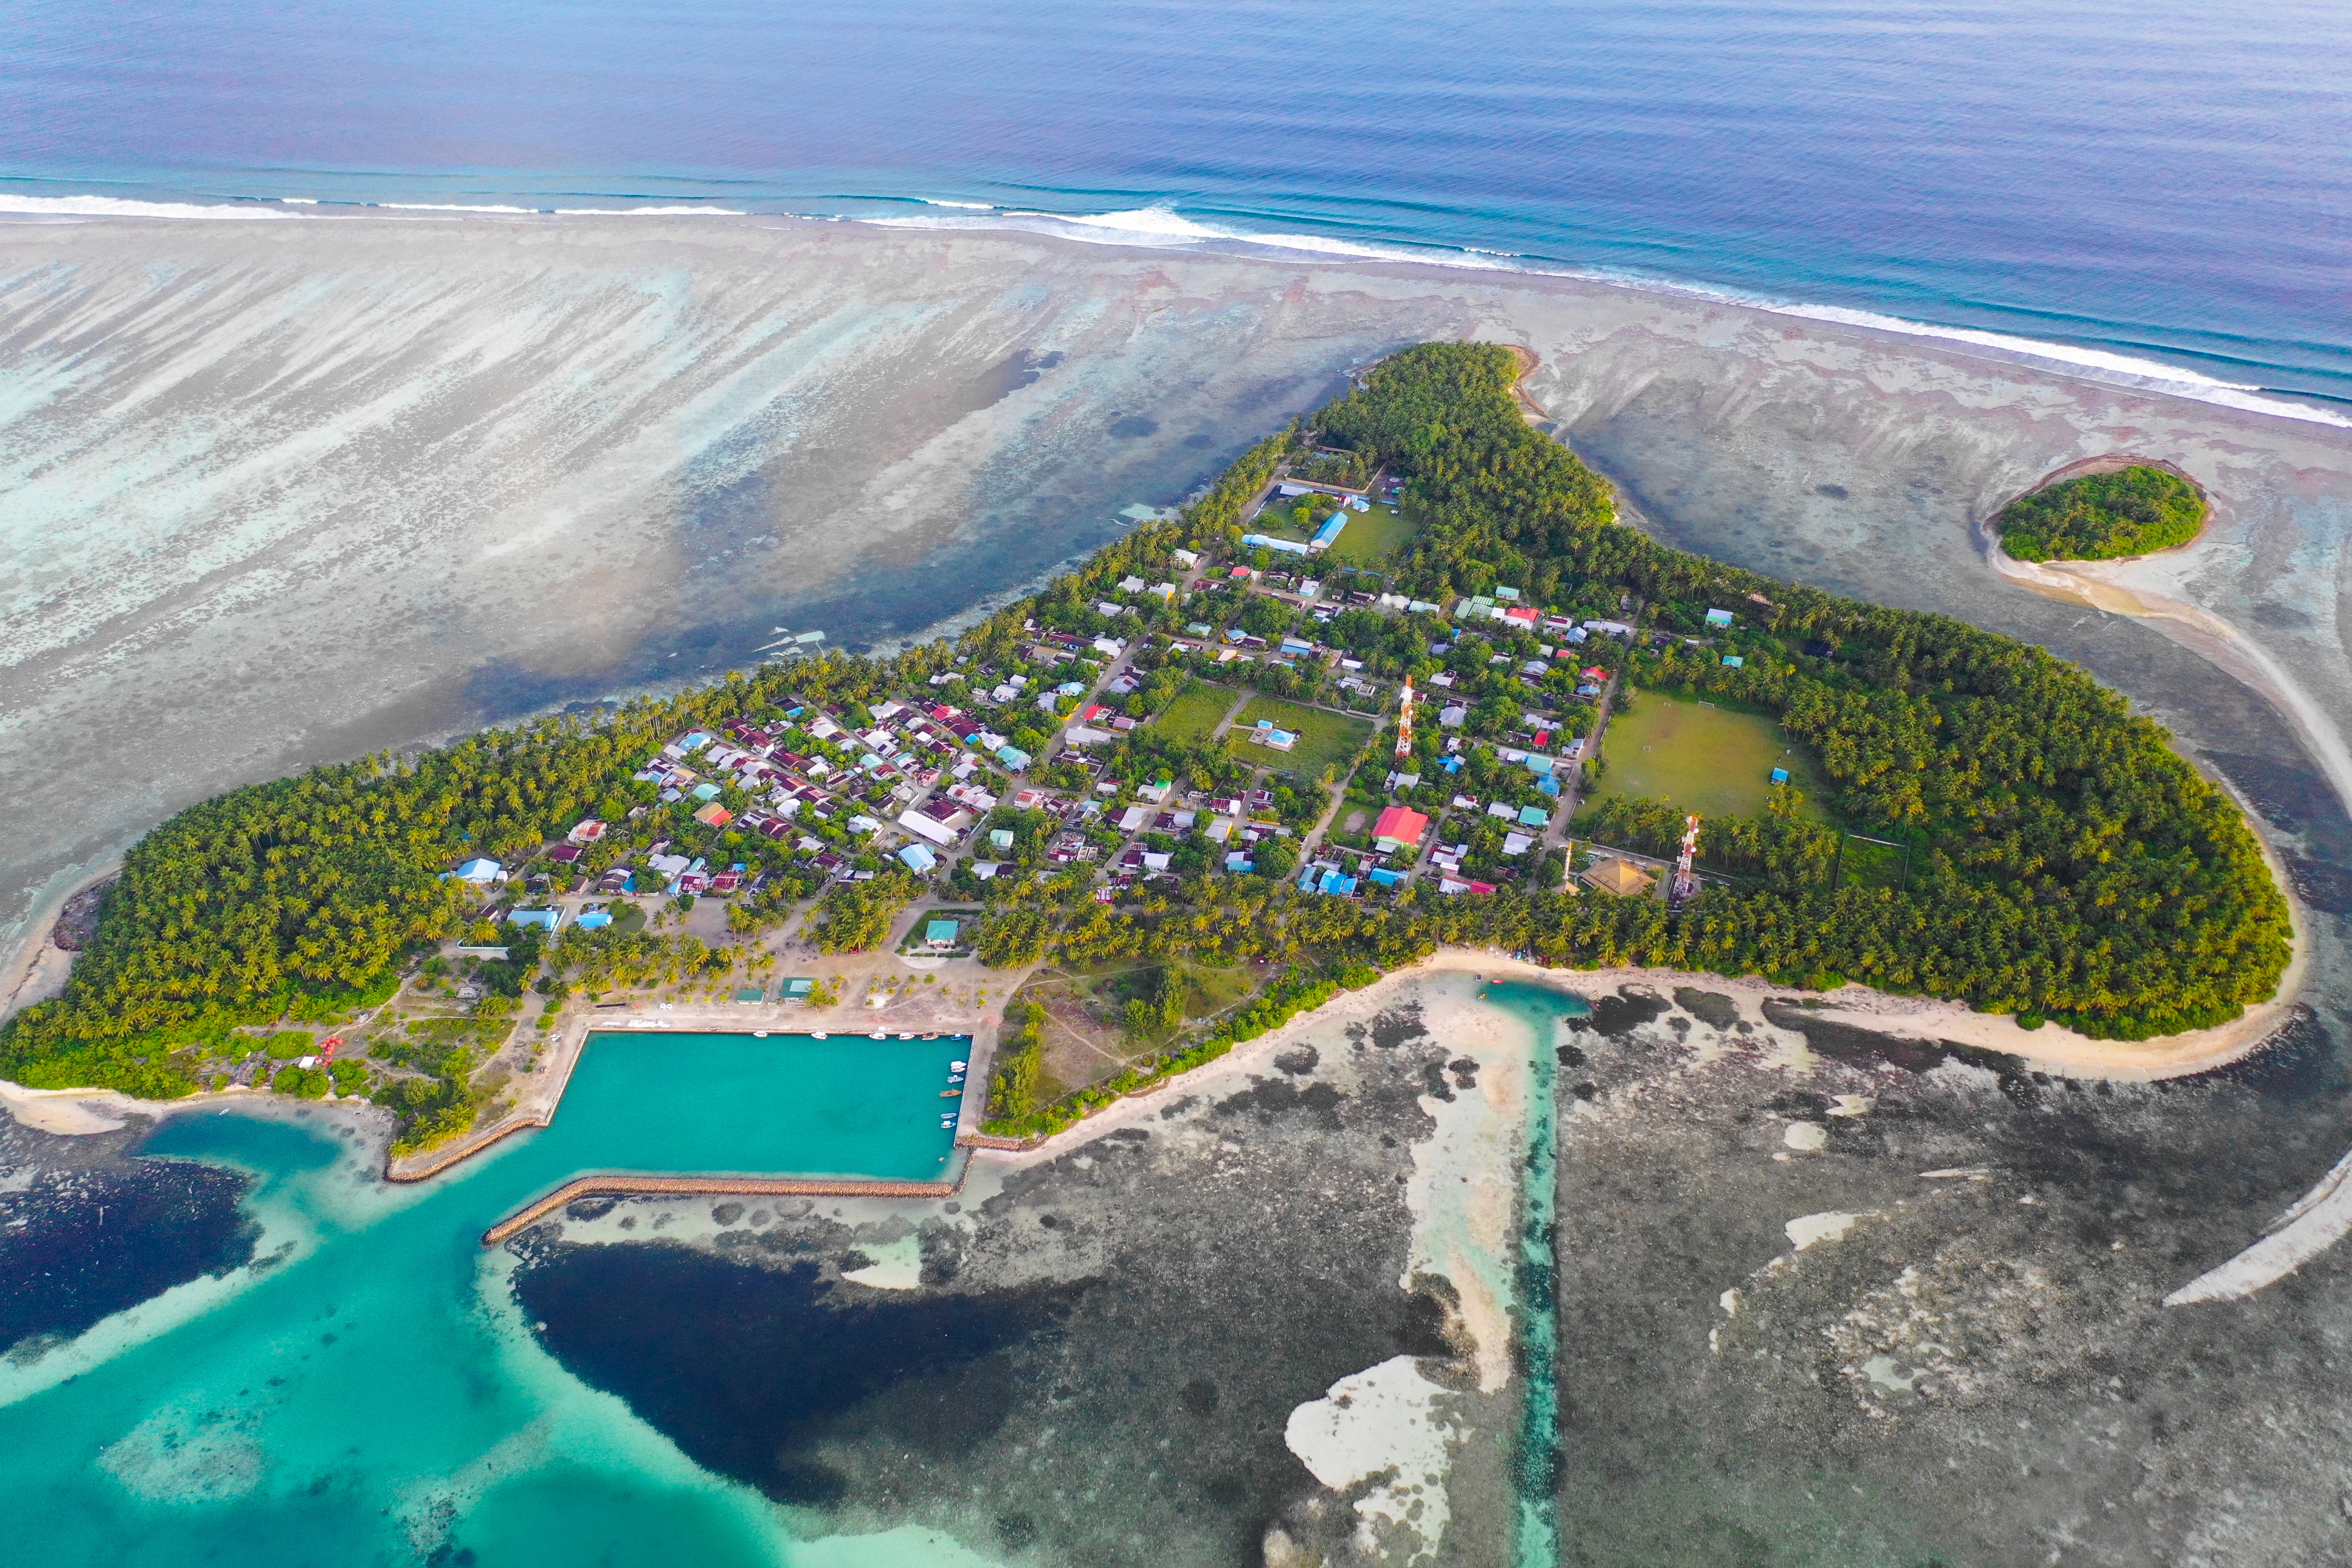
<point>2063,861</point>
<point>2101,516</point>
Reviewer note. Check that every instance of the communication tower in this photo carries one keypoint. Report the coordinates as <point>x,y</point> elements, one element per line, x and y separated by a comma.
<point>1404,722</point>
<point>1685,878</point>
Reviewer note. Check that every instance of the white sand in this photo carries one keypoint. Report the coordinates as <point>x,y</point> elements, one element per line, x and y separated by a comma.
<point>1806,1229</point>
<point>71,1112</point>
<point>897,1265</point>
<point>1382,1419</point>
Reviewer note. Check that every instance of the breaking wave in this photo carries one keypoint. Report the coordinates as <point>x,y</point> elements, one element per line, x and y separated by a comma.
<point>1159,226</point>
<point>1164,226</point>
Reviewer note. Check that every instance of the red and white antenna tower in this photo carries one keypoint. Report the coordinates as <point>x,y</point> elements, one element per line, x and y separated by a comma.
<point>1404,722</point>
<point>1687,880</point>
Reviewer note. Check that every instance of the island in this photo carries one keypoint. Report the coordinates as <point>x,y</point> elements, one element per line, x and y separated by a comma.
<point>1398,680</point>
<point>2132,509</point>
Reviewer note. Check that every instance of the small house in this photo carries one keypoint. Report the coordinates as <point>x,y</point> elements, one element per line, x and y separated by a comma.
<point>1399,827</point>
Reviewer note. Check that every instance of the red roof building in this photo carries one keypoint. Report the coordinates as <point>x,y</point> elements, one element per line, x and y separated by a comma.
<point>1402,823</point>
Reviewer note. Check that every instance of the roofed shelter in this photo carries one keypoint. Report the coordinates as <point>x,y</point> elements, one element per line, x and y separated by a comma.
<point>1622,877</point>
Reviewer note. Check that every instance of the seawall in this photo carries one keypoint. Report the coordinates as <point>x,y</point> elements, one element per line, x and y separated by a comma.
<point>623,1186</point>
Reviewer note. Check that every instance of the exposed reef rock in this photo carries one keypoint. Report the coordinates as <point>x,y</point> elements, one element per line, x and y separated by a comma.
<point>1834,1299</point>
<point>1101,1355</point>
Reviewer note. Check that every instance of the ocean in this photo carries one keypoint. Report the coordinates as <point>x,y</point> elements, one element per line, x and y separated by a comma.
<point>2161,187</point>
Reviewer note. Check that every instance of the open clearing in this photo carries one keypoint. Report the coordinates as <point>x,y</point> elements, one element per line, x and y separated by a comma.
<point>1369,536</point>
<point>1194,713</point>
<point>1704,759</point>
<point>1325,740</point>
<point>1086,1039</point>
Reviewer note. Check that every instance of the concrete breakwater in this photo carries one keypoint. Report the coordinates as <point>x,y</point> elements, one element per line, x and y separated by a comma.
<point>673,1186</point>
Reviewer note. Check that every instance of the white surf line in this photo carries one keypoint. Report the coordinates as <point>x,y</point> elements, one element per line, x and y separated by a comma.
<point>2322,1216</point>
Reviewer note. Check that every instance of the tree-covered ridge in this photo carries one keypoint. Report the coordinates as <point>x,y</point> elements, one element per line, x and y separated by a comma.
<point>2099,517</point>
<point>2066,862</point>
<point>2072,864</point>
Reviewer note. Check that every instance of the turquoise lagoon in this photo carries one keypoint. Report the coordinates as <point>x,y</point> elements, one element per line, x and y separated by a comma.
<point>366,1393</point>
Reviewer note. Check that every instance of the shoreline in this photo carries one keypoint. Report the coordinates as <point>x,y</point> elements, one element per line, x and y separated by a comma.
<point>2053,1049</point>
<point>31,952</point>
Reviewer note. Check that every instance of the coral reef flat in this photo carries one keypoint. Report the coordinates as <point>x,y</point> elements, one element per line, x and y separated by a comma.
<point>288,496</point>
<point>1829,1299</point>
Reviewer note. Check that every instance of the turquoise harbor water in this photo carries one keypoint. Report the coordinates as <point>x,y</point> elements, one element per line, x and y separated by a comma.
<point>368,1388</point>
<point>1543,1011</point>
<point>2163,182</point>
<point>657,1099</point>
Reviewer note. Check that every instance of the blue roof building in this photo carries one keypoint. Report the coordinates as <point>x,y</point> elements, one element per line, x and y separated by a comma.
<point>918,859</point>
<point>1013,757</point>
<point>1328,534</point>
<point>1779,775</point>
<point>593,919</point>
<point>1388,877</point>
<point>1534,817</point>
<point>545,919</point>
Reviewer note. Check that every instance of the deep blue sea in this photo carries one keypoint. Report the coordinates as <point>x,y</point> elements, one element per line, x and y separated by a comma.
<point>2162,180</point>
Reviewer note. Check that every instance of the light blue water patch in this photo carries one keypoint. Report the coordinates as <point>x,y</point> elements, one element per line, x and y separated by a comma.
<point>375,1398</point>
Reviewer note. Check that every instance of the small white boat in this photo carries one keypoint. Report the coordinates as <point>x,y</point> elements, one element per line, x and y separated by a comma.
<point>958,1066</point>
<point>819,1035</point>
<point>905,1036</point>
<point>878,1034</point>
<point>759,1033</point>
